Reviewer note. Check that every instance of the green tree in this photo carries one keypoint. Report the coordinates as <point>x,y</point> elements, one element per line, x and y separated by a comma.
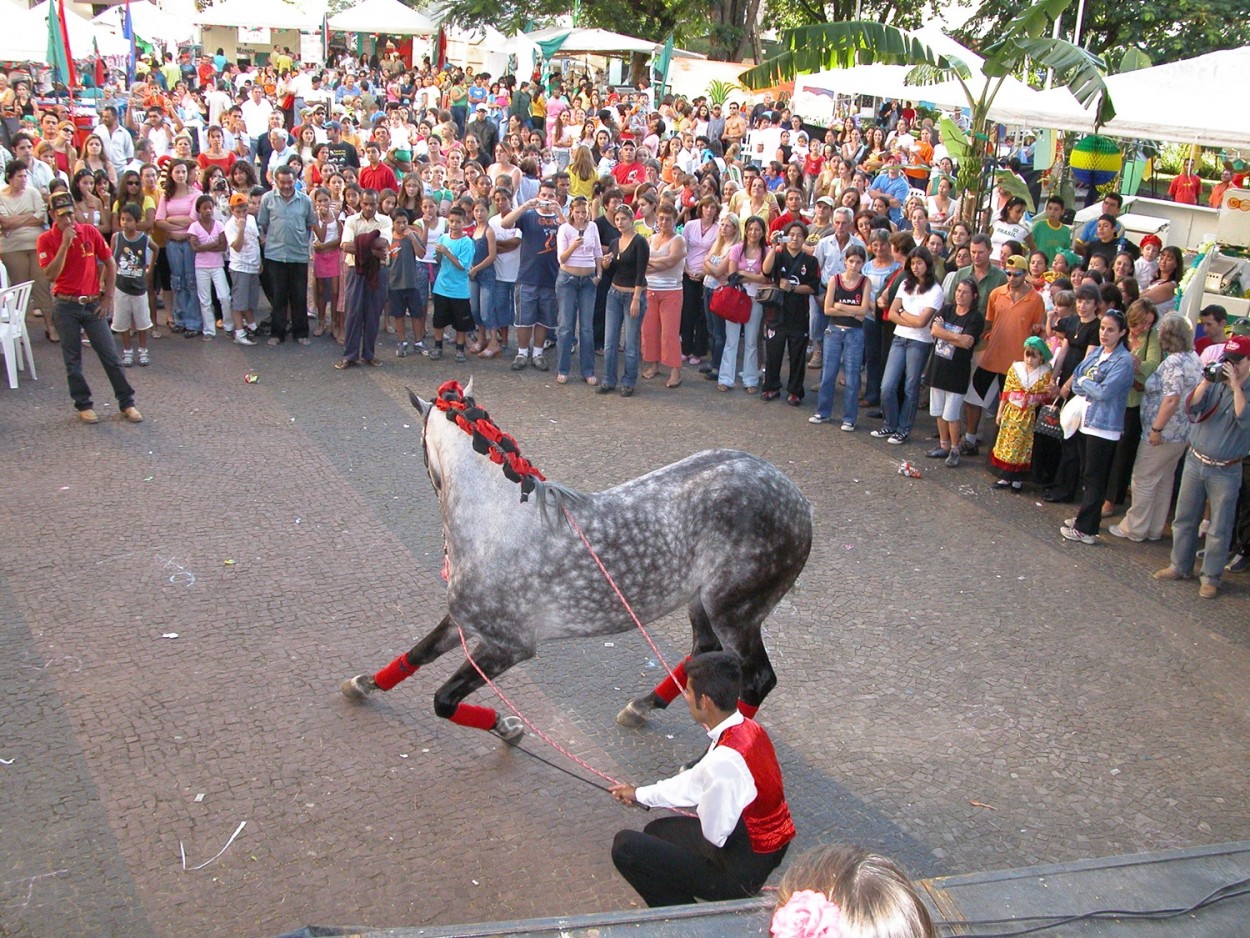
<point>720,27</point>
<point>1167,32</point>
<point>905,14</point>
<point>1026,37</point>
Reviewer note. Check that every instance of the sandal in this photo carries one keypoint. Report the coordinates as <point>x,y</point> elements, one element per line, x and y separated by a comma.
<point>319,331</point>
<point>592,381</point>
<point>344,363</point>
<point>650,374</point>
<point>476,349</point>
<point>50,337</point>
<point>488,353</point>
<point>562,379</point>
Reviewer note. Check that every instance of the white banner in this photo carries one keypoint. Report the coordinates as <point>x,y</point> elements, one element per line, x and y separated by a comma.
<point>253,37</point>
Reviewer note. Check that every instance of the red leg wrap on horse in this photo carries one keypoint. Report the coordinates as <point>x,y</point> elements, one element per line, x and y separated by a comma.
<point>748,710</point>
<point>668,689</point>
<point>480,718</point>
<point>393,673</point>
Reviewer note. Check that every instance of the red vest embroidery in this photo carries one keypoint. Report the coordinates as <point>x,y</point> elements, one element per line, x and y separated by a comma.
<point>767,818</point>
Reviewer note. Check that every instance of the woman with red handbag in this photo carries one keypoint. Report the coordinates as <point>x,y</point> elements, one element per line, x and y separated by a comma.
<point>747,261</point>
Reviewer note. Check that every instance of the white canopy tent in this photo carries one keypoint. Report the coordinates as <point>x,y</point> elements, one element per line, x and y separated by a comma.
<point>261,14</point>
<point>814,93</point>
<point>1187,102</point>
<point>25,36</point>
<point>595,41</point>
<point>150,22</point>
<point>384,16</point>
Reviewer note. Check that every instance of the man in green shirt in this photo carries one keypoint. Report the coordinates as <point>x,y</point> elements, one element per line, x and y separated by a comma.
<point>986,276</point>
<point>1050,234</point>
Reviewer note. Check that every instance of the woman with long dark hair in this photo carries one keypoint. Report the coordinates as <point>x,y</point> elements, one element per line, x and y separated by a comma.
<point>1104,379</point>
<point>912,311</point>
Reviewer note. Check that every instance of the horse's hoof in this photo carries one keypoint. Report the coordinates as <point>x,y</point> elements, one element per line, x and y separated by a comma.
<point>358,687</point>
<point>510,729</point>
<point>630,716</point>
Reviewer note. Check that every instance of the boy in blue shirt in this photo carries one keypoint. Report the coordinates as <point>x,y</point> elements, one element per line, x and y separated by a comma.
<point>451,287</point>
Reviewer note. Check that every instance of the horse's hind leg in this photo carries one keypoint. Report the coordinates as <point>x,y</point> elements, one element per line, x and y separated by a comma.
<point>493,660</point>
<point>635,712</point>
<point>439,641</point>
<point>758,676</point>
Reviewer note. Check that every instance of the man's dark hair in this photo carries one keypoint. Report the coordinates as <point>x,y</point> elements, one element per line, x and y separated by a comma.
<point>1115,197</point>
<point>718,676</point>
<point>1215,310</point>
<point>1057,200</point>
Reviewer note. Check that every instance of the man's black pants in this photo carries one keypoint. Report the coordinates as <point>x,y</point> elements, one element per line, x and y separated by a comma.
<point>671,863</point>
<point>290,296</point>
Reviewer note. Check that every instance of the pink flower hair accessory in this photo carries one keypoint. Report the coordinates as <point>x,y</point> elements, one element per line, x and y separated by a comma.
<point>807,914</point>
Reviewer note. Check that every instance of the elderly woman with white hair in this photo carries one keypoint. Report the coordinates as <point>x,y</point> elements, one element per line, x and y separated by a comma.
<point>1165,432</point>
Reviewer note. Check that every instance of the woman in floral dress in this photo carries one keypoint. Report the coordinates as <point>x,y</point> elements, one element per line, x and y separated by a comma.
<point>1028,384</point>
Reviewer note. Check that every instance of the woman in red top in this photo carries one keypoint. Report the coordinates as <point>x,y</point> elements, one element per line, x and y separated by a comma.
<point>216,154</point>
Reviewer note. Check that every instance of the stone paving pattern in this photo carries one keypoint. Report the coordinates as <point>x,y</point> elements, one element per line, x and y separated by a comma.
<point>943,647</point>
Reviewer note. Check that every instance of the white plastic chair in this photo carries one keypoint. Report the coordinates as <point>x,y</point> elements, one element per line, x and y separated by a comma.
<point>14,337</point>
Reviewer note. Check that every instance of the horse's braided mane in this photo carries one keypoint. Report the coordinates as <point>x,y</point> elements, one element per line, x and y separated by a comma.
<point>501,448</point>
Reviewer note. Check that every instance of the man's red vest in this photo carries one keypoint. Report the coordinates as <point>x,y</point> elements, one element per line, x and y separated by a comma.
<point>767,817</point>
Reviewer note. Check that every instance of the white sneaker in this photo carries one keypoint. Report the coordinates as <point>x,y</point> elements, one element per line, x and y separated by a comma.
<point>240,338</point>
<point>848,427</point>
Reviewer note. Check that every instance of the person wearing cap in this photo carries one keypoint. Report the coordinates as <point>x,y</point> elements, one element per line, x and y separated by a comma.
<point>1146,267</point>
<point>1219,440</point>
<point>482,128</point>
<point>243,260</point>
<point>1012,312</point>
<point>72,255</point>
<point>340,153</point>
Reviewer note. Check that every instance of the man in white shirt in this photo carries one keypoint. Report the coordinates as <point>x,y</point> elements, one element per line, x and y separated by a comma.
<point>256,111</point>
<point>119,146</point>
<point>743,825</point>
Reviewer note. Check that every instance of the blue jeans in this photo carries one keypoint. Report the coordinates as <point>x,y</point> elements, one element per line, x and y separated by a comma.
<point>617,318</point>
<point>504,303</point>
<point>715,331</point>
<point>70,318</point>
<point>843,350</point>
<point>1200,484</point>
<point>182,282</point>
<point>482,300</point>
<point>750,336</point>
<point>905,364</point>
<point>872,363</point>
<point>576,296</point>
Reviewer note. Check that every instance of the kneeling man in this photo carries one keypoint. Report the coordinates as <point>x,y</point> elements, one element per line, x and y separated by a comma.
<point>743,825</point>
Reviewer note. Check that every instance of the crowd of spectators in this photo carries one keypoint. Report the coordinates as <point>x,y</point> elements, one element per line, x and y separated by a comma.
<point>423,211</point>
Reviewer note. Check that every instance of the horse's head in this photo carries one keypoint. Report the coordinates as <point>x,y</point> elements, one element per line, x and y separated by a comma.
<point>434,434</point>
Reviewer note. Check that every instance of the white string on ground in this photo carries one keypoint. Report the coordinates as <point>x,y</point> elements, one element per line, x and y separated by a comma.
<point>238,830</point>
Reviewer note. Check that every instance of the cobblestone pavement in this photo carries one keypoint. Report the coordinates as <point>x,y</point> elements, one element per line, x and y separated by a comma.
<point>958,685</point>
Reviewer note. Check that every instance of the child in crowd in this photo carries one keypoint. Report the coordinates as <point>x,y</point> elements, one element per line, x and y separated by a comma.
<point>243,240</point>
<point>1028,384</point>
<point>134,258</point>
<point>1146,267</point>
<point>407,299</point>
<point>848,891</point>
<point>326,234</point>
<point>208,243</point>
<point>451,288</point>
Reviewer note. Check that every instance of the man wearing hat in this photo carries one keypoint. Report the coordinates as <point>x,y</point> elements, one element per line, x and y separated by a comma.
<point>339,152</point>
<point>71,256</point>
<point>485,131</point>
<point>1219,440</point>
<point>1013,312</point>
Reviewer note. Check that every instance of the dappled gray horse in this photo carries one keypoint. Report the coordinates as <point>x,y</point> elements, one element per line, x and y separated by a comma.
<point>722,532</point>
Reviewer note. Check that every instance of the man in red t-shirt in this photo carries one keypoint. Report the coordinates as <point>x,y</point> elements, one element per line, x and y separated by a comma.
<point>629,172</point>
<point>72,256</point>
<point>1187,185</point>
<point>793,213</point>
<point>376,175</point>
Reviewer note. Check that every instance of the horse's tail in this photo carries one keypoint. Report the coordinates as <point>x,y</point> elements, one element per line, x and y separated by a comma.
<point>551,499</point>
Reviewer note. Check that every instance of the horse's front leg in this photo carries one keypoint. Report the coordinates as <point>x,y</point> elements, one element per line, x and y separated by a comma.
<point>493,659</point>
<point>442,639</point>
<point>634,713</point>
